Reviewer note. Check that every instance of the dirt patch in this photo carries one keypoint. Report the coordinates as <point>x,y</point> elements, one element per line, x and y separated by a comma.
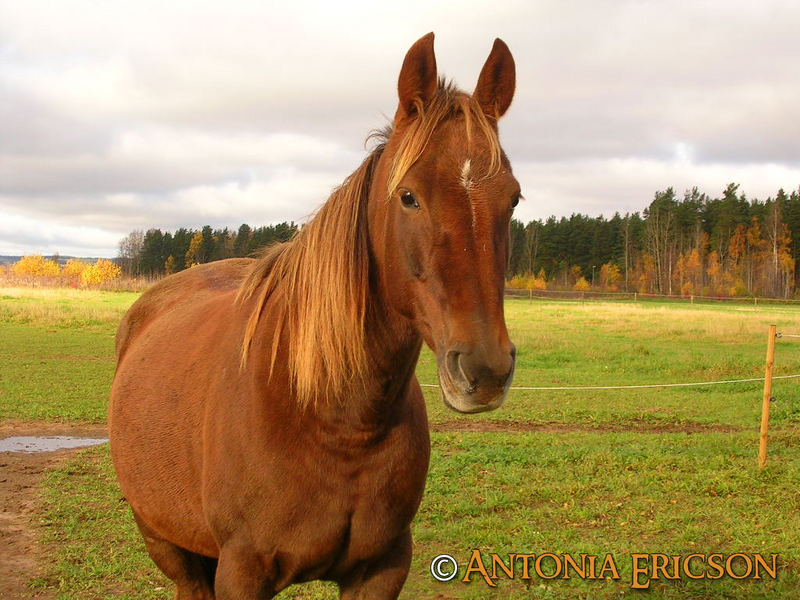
<point>468,426</point>
<point>21,554</point>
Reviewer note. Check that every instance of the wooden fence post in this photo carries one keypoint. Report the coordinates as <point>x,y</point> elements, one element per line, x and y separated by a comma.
<point>762,445</point>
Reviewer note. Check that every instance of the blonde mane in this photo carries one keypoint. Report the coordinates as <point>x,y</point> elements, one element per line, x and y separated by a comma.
<point>323,272</point>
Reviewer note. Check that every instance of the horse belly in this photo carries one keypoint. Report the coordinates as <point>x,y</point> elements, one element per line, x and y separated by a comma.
<point>155,424</point>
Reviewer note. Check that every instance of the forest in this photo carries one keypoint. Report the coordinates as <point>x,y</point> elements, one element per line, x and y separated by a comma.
<point>689,245</point>
<point>155,253</point>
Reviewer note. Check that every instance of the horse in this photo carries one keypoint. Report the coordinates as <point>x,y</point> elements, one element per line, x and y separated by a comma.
<point>265,421</point>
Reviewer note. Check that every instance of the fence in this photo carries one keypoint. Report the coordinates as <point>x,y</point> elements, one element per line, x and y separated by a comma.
<point>636,296</point>
<point>765,405</point>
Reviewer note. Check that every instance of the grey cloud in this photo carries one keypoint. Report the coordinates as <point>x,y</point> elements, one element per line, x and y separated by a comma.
<point>30,127</point>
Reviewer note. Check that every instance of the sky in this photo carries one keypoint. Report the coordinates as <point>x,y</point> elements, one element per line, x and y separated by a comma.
<point>116,116</point>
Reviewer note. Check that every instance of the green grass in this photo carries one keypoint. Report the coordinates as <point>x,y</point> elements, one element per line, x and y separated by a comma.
<point>669,471</point>
<point>561,343</point>
<point>596,493</point>
<point>57,352</point>
<point>98,552</point>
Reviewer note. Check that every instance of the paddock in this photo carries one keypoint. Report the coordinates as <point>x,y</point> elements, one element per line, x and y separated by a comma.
<point>668,471</point>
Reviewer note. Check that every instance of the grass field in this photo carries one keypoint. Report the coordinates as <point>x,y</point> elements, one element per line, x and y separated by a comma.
<point>57,352</point>
<point>669,470</point>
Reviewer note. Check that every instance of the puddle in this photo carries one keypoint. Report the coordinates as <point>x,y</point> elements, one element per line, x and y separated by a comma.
<point>46,443</point>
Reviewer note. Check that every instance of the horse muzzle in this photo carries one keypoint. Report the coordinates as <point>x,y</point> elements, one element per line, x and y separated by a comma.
<point>475,380</point>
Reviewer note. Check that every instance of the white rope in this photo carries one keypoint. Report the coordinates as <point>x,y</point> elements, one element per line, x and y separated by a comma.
<point>791,335</point>
<point>634,387</point>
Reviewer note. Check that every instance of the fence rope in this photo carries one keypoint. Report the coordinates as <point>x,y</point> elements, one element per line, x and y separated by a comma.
<point>632,387</point>
<point>790,335</point>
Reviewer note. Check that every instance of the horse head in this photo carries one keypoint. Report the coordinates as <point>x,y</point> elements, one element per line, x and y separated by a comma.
<point>439,226</point>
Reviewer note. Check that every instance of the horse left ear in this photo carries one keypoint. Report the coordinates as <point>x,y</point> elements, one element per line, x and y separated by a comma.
<point>497,81</point>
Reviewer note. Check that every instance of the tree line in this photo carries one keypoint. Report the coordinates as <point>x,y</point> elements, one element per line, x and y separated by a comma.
<point>154,253</point>
<point>689,245</point>
<point>694,245</point>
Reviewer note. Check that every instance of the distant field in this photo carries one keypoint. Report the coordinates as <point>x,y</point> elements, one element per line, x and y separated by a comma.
<point>669,471</point>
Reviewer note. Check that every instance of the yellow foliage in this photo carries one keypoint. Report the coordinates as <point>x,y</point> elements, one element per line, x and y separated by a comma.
<point>609,276</point>
<point>74,268</point>
<point>195,244</point>
<point>36,266</point>
<point>528,282</point>
<point>169,265</point>
<point>100,272</point>
<point>581,285</point>
<point>518,282</point>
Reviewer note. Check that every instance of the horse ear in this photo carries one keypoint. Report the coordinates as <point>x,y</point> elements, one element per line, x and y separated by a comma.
<point>497,81</point>
<point>417,82</point>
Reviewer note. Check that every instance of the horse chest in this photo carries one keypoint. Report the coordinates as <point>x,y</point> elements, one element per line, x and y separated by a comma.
<point>376,502</point>
<point>329,500</point>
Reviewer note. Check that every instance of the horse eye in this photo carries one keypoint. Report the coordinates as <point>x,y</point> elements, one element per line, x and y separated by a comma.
<point>515,201</point>
<point>408,200</point>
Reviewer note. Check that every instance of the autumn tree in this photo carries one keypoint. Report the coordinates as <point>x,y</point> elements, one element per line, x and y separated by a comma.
<point>73,269</point>
<point>195,249</point>
<point>36,265</point>
<point>100,272</point>
<point>609,276</point>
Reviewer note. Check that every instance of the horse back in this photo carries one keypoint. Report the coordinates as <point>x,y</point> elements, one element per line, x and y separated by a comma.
<point>181,292</point>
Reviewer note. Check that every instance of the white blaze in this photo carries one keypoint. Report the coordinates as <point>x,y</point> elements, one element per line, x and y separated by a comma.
<point>465,180</point>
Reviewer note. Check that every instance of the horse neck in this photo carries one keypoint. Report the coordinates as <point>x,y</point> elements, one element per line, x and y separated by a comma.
<point>379,399</point>
<point>393,344</point>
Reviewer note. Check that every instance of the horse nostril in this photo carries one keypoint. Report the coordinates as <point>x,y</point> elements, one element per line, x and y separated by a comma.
<point>459,368</point>
<point>452,361</point>
<point>477,371</point>
<point>464,367</point>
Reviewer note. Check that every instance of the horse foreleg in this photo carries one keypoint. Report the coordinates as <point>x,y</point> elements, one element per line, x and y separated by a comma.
<point>192,574</point>
<point>242,575</point>
<point>382,579</point>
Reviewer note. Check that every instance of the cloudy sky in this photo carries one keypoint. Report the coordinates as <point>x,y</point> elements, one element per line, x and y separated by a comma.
<point>117,116</point>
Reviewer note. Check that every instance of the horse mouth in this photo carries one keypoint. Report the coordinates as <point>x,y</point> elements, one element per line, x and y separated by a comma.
<point>466,399</point>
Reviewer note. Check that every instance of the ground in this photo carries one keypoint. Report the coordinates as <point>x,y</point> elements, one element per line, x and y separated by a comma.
<point>667,470</point>
<point>21,554</point>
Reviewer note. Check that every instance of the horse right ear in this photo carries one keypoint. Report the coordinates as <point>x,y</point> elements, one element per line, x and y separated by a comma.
<point>417,83</point>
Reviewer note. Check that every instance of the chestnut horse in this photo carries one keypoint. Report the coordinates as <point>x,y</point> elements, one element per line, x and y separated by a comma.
<point>266,424</point>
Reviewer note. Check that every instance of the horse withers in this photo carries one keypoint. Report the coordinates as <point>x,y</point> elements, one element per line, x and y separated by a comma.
<point>266,424</point>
